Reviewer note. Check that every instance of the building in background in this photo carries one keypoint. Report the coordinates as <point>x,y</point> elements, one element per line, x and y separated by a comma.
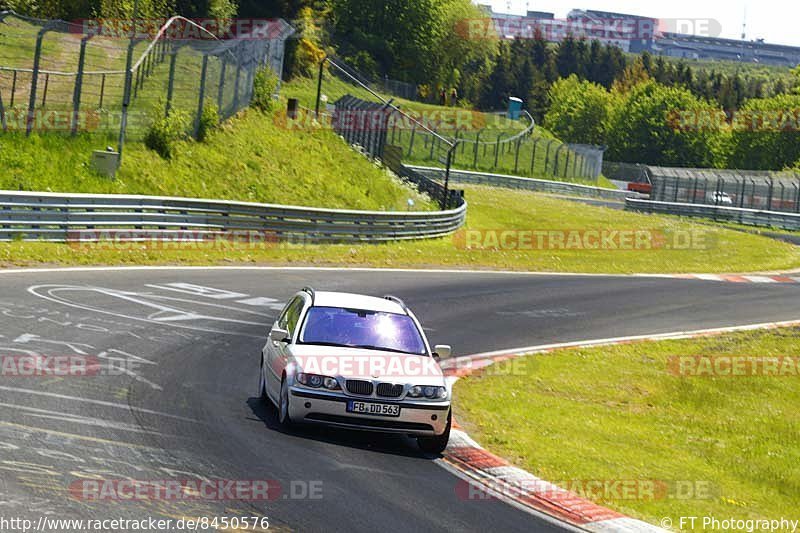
<point>634,33</point>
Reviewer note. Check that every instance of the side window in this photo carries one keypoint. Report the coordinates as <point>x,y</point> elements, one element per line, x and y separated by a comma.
<point>293,315</point>
<point>283,320</point>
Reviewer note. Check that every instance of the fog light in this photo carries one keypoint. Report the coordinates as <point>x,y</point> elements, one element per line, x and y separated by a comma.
<point>434,417</point>
<point>308,405</point>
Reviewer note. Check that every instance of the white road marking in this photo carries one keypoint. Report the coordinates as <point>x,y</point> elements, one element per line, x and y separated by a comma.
<point>199,290</point>
<point>78,419</point>
<point>96,402</point>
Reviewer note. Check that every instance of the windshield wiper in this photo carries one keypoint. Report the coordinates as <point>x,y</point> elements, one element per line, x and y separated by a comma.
<point>382,348</point>
<point>322,343</point>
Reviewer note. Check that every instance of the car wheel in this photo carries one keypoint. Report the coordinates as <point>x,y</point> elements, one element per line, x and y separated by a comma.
<point>283,406</point>
<point>262,385</point>
<point>437,444</point>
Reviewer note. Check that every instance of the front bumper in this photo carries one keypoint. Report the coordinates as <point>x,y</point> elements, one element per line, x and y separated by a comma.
<point>330,408</point>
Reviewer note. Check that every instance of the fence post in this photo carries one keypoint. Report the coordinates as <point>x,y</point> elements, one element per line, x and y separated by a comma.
<point>547,156</point>
<point>533,154</point>
<point>769,194</point>
<point>13,87</point>
<point>447,176</point>
<point>741,195</point>
<point>477,144</point>
<point>236,81</point>
<point>126,96</point>
<point>319,87</point>
<point>516,156</point>
<point>76,95</point>
<point>433,141</point>
<point>173,59</point>
<point>497,149</point>
<point>202,97</point>
<point>3,114</point>
<point>797,200</point>
<point>221,89</point>
<point>102,90</point>
<point>411,142</point>
<point>37,57</point>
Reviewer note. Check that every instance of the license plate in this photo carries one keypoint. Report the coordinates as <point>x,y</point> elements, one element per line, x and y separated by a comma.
<point>376,409</point>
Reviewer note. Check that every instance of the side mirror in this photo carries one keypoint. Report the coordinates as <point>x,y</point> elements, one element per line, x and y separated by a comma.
<point>279,335</point>
<point>443,351</point>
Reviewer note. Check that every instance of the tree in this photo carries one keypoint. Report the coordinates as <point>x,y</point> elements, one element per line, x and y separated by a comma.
<point>578,111</point>
<point>655,124</point>
<point>567,57</point>
<point>411,40</point>
<point>765,133</point>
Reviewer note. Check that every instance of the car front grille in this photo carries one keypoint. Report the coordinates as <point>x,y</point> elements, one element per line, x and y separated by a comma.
<point>358,386</point>
<point>389,390</point>
<point>369,422</point>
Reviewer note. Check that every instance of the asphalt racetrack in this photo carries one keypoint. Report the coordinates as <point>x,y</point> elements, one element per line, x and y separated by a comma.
<point>184,404</point>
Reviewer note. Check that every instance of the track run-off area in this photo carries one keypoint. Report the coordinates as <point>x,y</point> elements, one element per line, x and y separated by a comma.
<point>183,402</point>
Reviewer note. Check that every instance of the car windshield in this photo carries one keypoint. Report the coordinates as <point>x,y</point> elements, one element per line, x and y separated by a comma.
<point>355,328</point>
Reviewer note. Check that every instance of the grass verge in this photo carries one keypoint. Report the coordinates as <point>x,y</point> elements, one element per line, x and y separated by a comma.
<point>618,413</point>
<point>250,158</point>
<point>494,211</point>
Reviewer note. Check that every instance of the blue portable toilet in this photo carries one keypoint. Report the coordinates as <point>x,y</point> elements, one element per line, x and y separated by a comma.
<point>514,107</point>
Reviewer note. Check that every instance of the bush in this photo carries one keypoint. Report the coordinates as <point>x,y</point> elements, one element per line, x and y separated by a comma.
<point>765,133</point>
<point>265,85</point>
<point>162,135</point>
<point>578,111</point>
<point>209,121</point>
<point>648,125</point>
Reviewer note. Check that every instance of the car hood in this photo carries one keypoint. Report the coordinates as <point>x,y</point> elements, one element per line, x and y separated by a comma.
<point>358,363</point>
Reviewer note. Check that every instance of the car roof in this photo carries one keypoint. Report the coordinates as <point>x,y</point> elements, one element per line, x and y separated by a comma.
<point>357,301</point>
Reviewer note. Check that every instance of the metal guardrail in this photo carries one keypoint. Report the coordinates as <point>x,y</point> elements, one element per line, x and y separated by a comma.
<point>751,217</point>
<point>61,217</point>
<point>532,184</point>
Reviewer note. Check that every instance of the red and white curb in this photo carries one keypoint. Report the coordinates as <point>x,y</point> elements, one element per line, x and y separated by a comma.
<point>741,279</point>
<point>496,477</point>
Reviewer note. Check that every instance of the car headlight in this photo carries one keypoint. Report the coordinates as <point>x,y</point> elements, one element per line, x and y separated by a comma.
<point>428,391</point>
<point>316,381</point>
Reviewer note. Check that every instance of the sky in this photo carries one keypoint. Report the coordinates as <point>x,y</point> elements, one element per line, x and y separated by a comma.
<point>775,21</point>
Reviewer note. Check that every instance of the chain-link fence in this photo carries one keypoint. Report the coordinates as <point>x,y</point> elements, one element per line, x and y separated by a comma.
<point>58,76</point>
<point>492,142</point>
<point>348,104</point>
<point>773,191</point>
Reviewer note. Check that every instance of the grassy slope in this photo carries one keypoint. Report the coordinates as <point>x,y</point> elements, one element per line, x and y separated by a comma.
<point>249,159</point>
<point>485,127</point>
<point>615,413</point>
<point>494,209</point>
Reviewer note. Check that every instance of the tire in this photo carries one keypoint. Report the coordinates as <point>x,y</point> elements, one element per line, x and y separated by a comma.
<point>262,385</point>
<point>438,444</point>
<point>283,406</point>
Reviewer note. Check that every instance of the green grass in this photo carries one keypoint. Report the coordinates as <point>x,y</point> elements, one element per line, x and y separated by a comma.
<point>249,159</point>
<point>616,413</point>
<point>534,158</point>
<point>489,209</point>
